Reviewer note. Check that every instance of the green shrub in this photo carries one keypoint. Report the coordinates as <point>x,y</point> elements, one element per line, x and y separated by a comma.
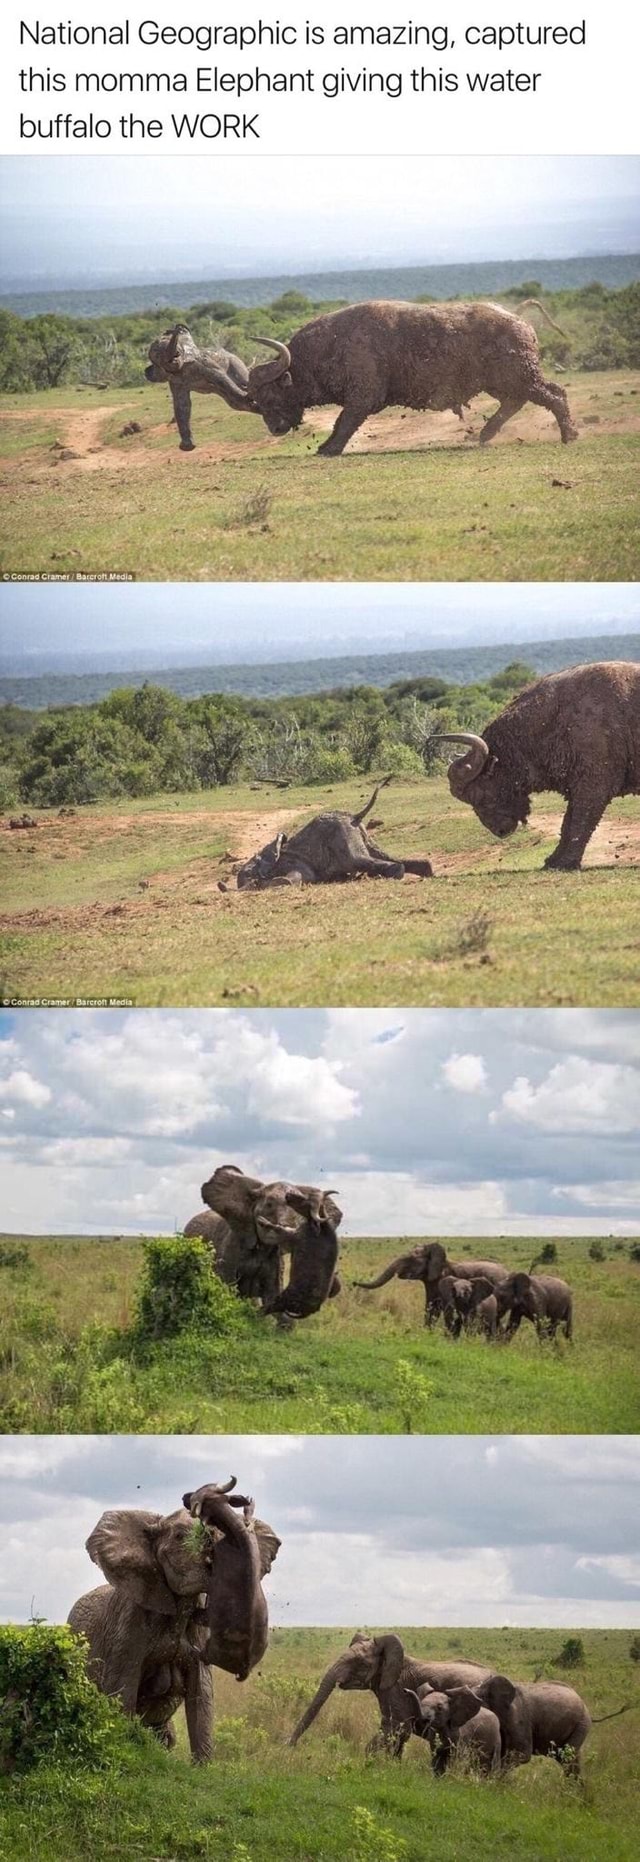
<point>571,1654</point>
<point>634,1251</point>
<point>547,1255</point>
<point>634,1648</point>
<point>49,1709</point>
<point>178,1290</point>
<point>19,1258</point>
<point>597,1251</point>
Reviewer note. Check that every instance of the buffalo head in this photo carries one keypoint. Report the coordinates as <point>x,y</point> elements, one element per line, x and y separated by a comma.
<point>273,391</point>
<point>495,794</point>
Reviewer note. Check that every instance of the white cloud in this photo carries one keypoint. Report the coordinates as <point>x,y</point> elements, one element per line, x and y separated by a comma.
<point>465,1072</point>
<point>578,1095</point>
<point>24,1089</point>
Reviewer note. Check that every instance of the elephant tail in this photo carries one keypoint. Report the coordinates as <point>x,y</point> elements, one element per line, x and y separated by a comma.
<point>616,1714</point>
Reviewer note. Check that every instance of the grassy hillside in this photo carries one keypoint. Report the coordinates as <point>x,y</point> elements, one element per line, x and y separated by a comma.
<point>364,1364</point>
<point>123,901</point>
<point>324,1802</point>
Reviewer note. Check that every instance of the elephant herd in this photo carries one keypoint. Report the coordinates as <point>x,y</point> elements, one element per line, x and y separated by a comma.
<point>252,1227</point>
<point>479,1295</point>
<point>184,1594</point>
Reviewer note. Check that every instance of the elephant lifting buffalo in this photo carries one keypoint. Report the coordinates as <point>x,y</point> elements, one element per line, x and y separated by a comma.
<point>252,1226</point>
<point>183,1593</point>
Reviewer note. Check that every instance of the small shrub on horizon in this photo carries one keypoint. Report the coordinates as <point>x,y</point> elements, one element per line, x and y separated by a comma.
<point>571,1655</point>
<point>597,1251</point>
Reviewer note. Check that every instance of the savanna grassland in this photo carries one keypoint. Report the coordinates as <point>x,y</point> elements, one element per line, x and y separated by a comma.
<point>73,1358</point>
<point>324,1802</point>
<point>121,899</point>
<point>412,500</point>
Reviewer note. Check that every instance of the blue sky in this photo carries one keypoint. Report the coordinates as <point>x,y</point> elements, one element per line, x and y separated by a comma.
<point>77,219</point>
<point>234,620</point>
<point>491,1122</point>
<point>476,1530</point>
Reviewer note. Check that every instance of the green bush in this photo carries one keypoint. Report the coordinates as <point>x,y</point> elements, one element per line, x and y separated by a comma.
<point>597,1251</point>
<point>571,1654</point>
<point>49,1709</point>
<point>634,1648</point>
<point>179,1290</point>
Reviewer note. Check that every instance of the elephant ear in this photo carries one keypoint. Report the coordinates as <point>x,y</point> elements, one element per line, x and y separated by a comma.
<point>435,1260</point>
<point>390,1652</point>
<point>268,1545</point>
<point>123,1544</point>
<point>463,1705</point>
<point>480,1289</point>
<point>522,1285</point>
<point>498,1693</point>
<point>232,1195</point>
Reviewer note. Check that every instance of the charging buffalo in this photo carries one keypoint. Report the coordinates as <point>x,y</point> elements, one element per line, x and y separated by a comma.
<point>371,356</point>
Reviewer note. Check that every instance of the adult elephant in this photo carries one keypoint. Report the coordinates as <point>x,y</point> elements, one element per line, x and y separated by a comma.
<point>159,1622</point>
<point>267,1222</point>
<point>379,1664</point>
<point>429,1263</point>
<point>542,1298</point>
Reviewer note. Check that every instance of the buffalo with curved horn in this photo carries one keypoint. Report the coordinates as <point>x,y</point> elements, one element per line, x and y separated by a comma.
<point>576,732</point>
<point>369,356</point>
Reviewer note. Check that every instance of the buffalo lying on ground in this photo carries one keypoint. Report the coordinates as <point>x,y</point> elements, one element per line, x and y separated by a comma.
<point>577,732</point>
<point>370,356</point>
<point>176,359</point>
<point>330,848</point>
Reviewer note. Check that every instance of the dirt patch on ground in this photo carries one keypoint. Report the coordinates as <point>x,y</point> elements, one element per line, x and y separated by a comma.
<point>395,430</point>
<point>615,843</point>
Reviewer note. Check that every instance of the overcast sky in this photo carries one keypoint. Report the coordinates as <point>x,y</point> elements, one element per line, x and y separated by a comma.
<point>78,219</point>
<point>436,1121</point>
<point>376,1531</point>
<point>232,621</point>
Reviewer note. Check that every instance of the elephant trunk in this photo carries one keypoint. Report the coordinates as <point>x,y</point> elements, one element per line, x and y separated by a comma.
<point>329,1681</point>
<point>388,1273</point>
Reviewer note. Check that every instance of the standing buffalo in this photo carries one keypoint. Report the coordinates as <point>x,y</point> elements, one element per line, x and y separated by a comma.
<point>331,847</point>
<point>175,358</point>
<point>370,356</point>
<point>577,732</point>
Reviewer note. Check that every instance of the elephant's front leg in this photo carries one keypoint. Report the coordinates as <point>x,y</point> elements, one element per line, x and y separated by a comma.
<point>198,1706</point>
<point>182,412</point>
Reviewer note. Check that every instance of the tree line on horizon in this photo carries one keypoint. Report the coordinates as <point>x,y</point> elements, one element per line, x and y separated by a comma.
<point>601,330</point>
<point>145,740</point>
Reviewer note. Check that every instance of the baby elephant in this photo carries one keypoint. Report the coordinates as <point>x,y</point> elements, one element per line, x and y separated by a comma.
<point>176,359</point>
<point>470,1303</point>
<point>331,848</point>
<point>456,1721</point>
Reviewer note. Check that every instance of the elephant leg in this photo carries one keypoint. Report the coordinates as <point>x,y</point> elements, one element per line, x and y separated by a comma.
<point>503,413</point>
<point>422,868</point>
<point>182,414</point>
<point>379,869</point>
<point>580,821</point>
<point>347,424</point>
<point>198,1706</point>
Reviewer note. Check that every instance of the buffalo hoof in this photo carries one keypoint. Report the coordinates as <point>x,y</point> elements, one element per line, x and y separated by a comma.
<point>556,863</point>
<point>187,446</point>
